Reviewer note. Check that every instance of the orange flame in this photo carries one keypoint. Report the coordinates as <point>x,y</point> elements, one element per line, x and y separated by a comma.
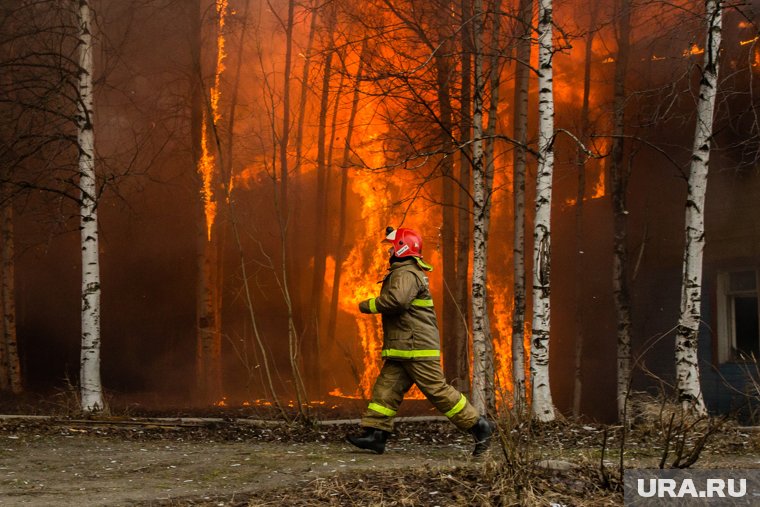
<point>360,282</point>
<point>221,54</point>
<point>206,166</point>
<point>366,263</point>
<point>207,162</point>
<point>502,340</point>
<point>599,186</point>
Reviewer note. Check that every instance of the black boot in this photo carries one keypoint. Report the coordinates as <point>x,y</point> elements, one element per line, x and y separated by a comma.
<point>372,439</point>
<point>482,431</point>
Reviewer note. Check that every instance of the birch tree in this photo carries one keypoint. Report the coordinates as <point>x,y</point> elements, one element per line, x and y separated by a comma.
<point>205,114</point>
<point>519,165</point>
<point>482,389</point>
<point>10,366</point>
<point>90,384</point>
<point>494,78</point>
<point>687,366</point>
<point>543,407</point>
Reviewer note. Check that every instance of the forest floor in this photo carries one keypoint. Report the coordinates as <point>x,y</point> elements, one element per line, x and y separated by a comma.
<point>138,461</point>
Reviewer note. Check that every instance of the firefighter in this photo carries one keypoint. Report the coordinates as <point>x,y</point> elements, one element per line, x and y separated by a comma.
<point>411,350</point>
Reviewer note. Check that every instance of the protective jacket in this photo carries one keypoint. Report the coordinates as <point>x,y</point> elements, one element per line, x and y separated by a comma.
<point>410,328</point>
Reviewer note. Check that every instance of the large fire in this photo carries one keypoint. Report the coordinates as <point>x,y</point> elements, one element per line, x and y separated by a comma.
<point>363,269</point>
<point>375,194</point>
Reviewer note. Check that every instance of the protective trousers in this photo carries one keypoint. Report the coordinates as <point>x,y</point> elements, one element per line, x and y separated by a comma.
<point>397,377</point>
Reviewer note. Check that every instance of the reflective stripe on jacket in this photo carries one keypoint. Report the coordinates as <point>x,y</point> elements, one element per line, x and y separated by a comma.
<point>410,327</point>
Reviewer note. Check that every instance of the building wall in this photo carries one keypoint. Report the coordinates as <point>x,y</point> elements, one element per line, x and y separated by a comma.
<point>656,237</point>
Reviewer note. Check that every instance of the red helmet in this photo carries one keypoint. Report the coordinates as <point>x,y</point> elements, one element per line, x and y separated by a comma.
<point>406,242</point>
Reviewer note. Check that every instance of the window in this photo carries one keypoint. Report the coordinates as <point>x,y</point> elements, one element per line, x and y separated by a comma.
<point>738,315</point>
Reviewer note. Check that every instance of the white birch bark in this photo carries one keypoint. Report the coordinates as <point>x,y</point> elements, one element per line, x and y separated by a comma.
<point>543,407</point>
<point>89,378</point>
<point>482,386</point>
<point>687,366</point>
<point>10,359</point>
<point>494,76</point>
<point>522,81</point>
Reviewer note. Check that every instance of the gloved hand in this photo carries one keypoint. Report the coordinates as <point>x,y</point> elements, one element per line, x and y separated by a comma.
<point>367,305</point>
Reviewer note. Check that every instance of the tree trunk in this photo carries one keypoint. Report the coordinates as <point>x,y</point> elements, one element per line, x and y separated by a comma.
<point>311,345</point>
<point>11,367</point>
<point>285,134</point>
<point>519,164</point>
<point>448,229</point>
<point>620,176</point>
<point>304,91</point>
<point>687,366</point>
<point>490,168</point>
<point>90,385</point>
<point>208,351</point>
<point>461,291</point>
<point>209,345</point>
<point>482,386</point>
<point>543,407</point>
<point>287,264</point>
<point>579,200</point>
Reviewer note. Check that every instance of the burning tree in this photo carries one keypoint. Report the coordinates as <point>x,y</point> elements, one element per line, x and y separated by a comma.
<point>205,117</point>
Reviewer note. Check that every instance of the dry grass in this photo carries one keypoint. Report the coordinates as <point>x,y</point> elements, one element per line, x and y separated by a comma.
<point>478,485</point>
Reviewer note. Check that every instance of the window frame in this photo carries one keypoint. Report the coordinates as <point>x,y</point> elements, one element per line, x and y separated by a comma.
<point>726,314</point>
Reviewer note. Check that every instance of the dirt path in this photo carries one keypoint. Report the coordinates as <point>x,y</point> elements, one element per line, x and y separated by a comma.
<point>57,470</point>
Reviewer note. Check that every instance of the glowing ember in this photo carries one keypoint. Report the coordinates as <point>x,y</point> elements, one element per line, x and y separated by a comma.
<point>693,50</point>
<point>224,402</point>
